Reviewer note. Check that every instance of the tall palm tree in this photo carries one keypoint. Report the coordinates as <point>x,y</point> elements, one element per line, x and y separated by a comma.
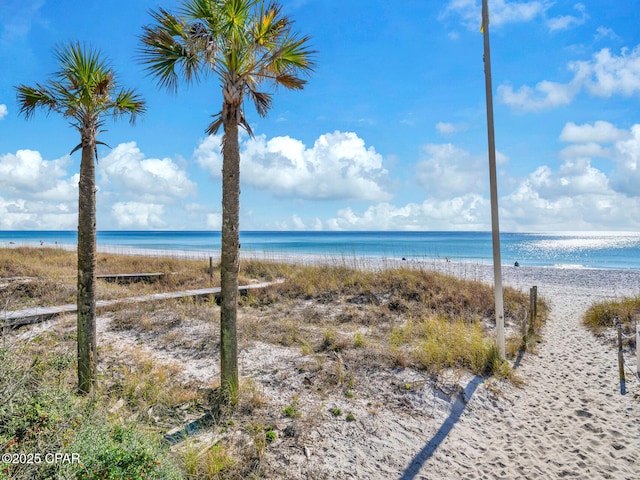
<point>245,44</point>
<point>83,91</point>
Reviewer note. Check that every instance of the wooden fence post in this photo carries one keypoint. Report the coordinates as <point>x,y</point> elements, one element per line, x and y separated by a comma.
<point>211,269</point>
<point>533,309</point>
<point>623,387</point>
<point>638,349</point>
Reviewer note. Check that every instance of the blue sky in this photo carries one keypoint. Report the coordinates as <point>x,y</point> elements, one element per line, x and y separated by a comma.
<point>389,134</point>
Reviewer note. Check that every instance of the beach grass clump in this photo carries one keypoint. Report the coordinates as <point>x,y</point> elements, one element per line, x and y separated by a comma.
<point>604,315</point>
<point>39,416</point>
<point>435,343</point>
<point>404,317</point>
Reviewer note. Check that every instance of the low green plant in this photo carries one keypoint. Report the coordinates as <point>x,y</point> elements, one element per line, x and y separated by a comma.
<point>38,415</point>
<point>350,417</point>
<point>291,411</point>
<point>270,434</point>
<point>336,412</point>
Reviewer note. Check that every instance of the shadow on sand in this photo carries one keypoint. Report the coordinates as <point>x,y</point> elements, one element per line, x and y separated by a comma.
<point>459,406</point>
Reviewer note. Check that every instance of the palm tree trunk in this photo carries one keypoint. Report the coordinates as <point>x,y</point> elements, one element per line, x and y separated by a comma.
<point>87,350</point>
<point>229,264</point>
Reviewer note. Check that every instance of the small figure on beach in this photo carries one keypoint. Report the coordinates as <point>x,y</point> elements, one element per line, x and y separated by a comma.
<point>516,264</point>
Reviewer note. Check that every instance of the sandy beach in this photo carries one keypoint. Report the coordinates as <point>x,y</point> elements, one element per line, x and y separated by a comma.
<point>568,418</point>
<point>565,417</point>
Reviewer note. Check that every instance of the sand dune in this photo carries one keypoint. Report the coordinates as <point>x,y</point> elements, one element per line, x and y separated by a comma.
<point>567,420</point>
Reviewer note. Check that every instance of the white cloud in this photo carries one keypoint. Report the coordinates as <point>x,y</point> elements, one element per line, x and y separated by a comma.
<point>604,75</point>
<point>577,195</point>
<point>626,174</point>
<point>467,212</point>
<point>563,22</point>
<point>447,129</point>
<point>27,175</point>
<point>338,166</point>
<point>138,215</point>
<point>214,221</point>
<point>600,132</point>
<point>449,171</point>
<point>544,96</point>
<point>445,170</point>
<point>502,12</point>
<point>585,150</point>
<point>150,179</point>
<point>3,111</point>
<point>603,33</point>
<point>20,214</point>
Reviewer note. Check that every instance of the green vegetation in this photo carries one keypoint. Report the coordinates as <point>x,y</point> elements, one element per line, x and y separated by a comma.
<point>291,411</point>
<point>345,323</point>
<point>39,415</point>
<point>603,315</point>
<point>407,317</point>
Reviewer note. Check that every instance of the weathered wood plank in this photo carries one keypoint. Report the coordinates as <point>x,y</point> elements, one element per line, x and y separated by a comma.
<point>130,277</point>
<point>27,316</point>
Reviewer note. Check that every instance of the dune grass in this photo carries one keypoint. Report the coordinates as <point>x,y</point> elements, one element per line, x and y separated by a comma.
<point>604,315</point>
<point>348,322</point>
<point>47,276</point>
<point>410,317</point>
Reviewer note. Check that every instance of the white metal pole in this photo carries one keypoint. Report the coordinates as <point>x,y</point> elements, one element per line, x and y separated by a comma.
<point>638,349</point>
<point>495,224</point>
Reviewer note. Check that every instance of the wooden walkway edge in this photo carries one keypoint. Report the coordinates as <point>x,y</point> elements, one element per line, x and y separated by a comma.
<point>27,316</point>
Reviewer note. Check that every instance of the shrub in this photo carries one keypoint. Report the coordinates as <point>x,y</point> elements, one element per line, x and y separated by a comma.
<point>39,417</point>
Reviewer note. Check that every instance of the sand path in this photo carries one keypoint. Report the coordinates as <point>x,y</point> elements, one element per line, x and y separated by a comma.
<point>569,420</point>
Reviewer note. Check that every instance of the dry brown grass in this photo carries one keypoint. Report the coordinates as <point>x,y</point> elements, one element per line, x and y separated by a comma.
<point>604,315</point>
<point>346,324</point>
<point>47,276</point>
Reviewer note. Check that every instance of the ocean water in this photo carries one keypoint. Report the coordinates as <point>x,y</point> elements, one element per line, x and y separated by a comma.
<point>614,251</point>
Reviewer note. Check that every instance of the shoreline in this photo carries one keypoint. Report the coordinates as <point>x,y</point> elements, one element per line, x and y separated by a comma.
<point>311,258</point>
<point>616,282</point>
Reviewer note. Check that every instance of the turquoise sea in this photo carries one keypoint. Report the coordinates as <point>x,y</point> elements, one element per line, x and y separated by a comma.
<point>587,250</point>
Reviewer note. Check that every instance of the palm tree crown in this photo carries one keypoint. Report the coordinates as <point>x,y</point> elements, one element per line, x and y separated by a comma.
<point>244,42</point>
<point>83,90</point>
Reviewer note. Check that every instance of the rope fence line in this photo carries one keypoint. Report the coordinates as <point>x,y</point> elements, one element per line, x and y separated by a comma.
<point>621,363</point>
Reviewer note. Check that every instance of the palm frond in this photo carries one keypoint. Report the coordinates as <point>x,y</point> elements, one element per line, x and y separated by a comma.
<point>76,148</point>
<point>246,43</point>
<point>32,98</point>
<point>129,102</point>
<point>246,126</point>
<point>214,126</point>
<point>169,48</point>
<point>262,101</point>
<point>82,90</point>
